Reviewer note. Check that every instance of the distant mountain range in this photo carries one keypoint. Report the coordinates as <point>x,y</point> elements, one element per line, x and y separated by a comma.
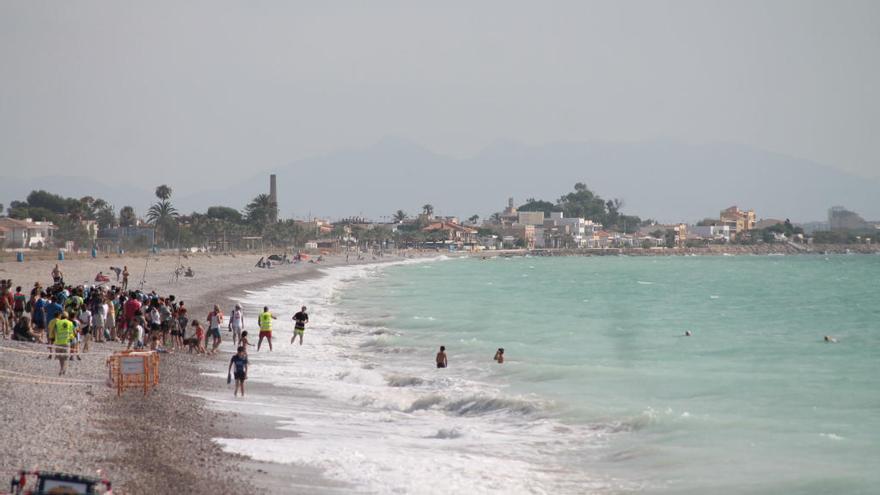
<point>664,180</point>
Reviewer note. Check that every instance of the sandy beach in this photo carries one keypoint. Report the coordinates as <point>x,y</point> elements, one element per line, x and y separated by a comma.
<point>161,443</point>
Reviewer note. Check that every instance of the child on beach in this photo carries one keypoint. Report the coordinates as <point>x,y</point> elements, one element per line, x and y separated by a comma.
<point>198,342</point>
<point>243,342</point>
<point>240,361</point>
<point>441,357</point>
<point>136,337</point>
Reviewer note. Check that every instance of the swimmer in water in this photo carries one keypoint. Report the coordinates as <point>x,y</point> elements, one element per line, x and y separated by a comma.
<point>830,340</point>
<point>687,333</point>
<point>499,355</point>
<point>441,357</point>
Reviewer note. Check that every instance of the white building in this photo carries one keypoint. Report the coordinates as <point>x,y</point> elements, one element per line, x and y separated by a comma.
<point>711,232</point>
<point>25,233</point>
<point>582,231</point>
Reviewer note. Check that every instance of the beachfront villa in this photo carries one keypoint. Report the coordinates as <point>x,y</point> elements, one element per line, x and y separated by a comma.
<point>21,234</point>
<point>453,233</point>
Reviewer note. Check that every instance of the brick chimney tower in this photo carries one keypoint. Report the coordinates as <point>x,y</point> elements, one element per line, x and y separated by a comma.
<point>273,197</point>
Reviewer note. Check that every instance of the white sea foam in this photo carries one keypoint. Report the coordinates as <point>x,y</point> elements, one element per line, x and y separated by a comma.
<point>373,417</point>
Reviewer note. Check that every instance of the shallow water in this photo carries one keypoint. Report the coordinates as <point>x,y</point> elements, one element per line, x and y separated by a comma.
<point>601,392</point>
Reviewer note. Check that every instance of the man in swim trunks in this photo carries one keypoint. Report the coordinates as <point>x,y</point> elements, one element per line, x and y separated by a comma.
<point>299,327</point>
<point>441,357</point>
<point>265,320</point>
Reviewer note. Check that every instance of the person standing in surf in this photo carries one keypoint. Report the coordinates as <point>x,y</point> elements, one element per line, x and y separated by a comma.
<point>499,355</point>
<point>240,361</point>
<point>265,327</point>
<point>236,324</point>
<point>299,327</point>
<point>441,357</point>
<point>215,319</point>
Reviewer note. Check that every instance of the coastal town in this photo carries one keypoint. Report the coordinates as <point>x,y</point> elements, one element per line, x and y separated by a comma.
<point>581,221</point>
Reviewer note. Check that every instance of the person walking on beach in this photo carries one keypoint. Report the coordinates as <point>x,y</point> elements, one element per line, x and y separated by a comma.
<point>38,315</point>
<point>299,328</point>
<point>215,319</point>
<point>236,324</point>
<point>441,357</point>
<point>240,361</point>
<point>63,336</point>
<point>265,327</point>
<point>125,278</point>
<point>85,322</point>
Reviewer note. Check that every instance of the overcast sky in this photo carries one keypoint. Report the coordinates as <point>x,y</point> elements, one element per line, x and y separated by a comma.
<point>206,93</point>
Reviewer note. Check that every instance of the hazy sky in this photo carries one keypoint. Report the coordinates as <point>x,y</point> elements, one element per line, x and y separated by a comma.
<point>206,93</point>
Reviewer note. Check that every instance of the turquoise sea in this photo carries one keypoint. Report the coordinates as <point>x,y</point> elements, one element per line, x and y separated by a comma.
<point>753,402</point>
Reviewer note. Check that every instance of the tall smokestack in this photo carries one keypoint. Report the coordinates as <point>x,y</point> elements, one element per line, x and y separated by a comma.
<point>273,197</point>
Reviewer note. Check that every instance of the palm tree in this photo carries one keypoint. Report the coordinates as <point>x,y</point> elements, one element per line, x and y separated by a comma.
<point>399,216</point>
<point>260,211</point>
<point>428,209</point>
<point>162,215</point>
<point>163,192</point>
<point>127,217</point>
<point>473,219</point>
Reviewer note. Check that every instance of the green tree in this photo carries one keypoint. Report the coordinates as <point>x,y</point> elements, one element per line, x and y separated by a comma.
<point>127,217</point>
<point>162,214</point>
<point>474,219</point>
<point>104,214</point>
<point>163,192</point>
<point>259,211</point>
<point>533,204</point>
<point>582,203</point>
<point>399,216</point>
<point>224,213</point>
<point>428,210</point>
<point>51,202</point>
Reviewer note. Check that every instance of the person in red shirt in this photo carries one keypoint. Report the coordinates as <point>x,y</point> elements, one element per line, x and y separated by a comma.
<point>128,310</point>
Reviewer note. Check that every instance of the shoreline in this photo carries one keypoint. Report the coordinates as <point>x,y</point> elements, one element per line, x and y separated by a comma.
<point>160,443</point>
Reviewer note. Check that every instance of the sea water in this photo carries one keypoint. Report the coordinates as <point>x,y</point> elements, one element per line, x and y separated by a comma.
<point>600,392</point>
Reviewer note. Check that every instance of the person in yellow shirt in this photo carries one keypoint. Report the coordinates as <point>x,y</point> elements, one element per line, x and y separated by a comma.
<point>265,320</point>
<point>64,335</point>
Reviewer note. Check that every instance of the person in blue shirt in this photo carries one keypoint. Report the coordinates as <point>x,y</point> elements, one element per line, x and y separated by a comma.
<point>39,315</point>
<point>53,309</point>
<point>240,361</point>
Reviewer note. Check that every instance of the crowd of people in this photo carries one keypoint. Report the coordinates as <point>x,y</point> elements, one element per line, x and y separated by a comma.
<point>69,319</point>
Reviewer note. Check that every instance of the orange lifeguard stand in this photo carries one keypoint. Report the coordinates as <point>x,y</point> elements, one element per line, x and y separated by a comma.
<point>133,369</point>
